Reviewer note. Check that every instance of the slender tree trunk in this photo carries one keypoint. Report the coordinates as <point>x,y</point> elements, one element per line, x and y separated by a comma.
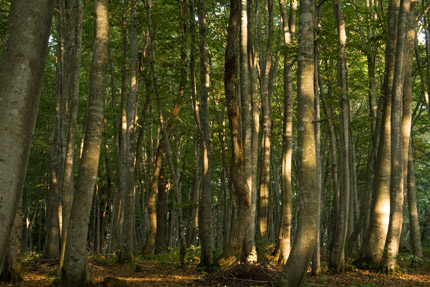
<point>253,74</point>
<point>160,238</point>
<point>266,64</point>
<point>20,89</point>
<point>307,192</point>
<point>246,108</point>
<point>408,164</point>
<point>284,236</point>
<point>67,187</point>
<point>129,203</point>
<point>75,271</point>
<point>205,232</point>
<point>166,131</point>
<point>316,257</point>
<point>413,210</point>
<point>337,258</point>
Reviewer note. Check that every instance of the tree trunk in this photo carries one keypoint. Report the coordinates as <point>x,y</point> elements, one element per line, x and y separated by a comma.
<point>126,253</point>
<point>160,238</point>
<point>75,271</point>
<point>253,74</point>
<point>205,232</point>
<point>373,247</point>
<point>12,262</point>
<point>20,88</point>
<point>284,236</point>
<point>337,258</point>
<point>266,64</point>
<point>234,250</point>
<point>413,211</point>
<point>67,187</point>
<point>397,169</point>
<point>307,192</point>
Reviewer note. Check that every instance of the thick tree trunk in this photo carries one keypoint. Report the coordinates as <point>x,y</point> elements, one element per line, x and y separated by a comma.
<point>20,88</point>
<point>234,250</point>
<point>373,247</point>
<point>12,262</point>
<point>75,271</point>
<point>397,169</point>
<point>304,240</point>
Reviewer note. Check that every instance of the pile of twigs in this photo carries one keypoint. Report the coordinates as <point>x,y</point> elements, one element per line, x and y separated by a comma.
<point>242,275</point>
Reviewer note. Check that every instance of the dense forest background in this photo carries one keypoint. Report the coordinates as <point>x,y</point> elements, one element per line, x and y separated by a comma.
<point>199,142</point>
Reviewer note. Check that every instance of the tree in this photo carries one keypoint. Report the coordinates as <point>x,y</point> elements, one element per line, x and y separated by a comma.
<point>205,233</point>
<point>20,88</point>
<point>337,258</point>
<point>234,250</point>
<point>304,240</point>
<point>374,243</point>
<point>284,236</point>
<point>75,271</point>
<point>397,153</point>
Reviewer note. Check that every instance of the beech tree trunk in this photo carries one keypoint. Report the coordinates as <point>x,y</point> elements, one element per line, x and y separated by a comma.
<point>20,87</point>
<point>307,192</point>
<point>266,109</point>
<point>205,232</point>
<point>67,187</point>
<point>373,246</point>
<point>284,236</point>
<point>127,243</point>
<point>234,250</point>
<point>337,258</point>
<point>397,169</point>
<point>75,271</point>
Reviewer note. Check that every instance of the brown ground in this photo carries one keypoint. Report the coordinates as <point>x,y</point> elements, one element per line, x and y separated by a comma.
<point>153,273</point>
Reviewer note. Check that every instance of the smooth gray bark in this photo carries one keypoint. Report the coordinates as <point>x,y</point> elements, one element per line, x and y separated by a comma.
<point>307,192</point>
<point>75,271</point>
<point>21,72</point>
<point>205,232</point>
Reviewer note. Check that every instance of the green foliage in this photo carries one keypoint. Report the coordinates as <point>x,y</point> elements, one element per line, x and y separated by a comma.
<point>108,259</point>
<point>172,256</point>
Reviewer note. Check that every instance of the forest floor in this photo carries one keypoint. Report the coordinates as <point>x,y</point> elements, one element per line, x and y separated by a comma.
<point>158,273</point>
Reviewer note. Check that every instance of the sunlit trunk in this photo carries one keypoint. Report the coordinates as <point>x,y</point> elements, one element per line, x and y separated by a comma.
<point>307,192</point>
<point>75,271</point>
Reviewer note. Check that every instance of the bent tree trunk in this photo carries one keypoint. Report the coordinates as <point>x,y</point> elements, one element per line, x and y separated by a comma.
<point>307,192</point>
<point>21,72</point>
<point>75,271</point>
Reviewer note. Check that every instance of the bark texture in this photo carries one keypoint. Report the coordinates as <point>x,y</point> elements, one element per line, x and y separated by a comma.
<point>75,271</point>
<point>21,72</point>
<point>234,250</point>
<point>304,241</point>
